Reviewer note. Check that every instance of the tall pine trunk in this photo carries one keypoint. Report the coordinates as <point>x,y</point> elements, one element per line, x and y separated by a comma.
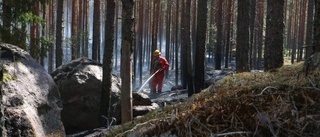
<point>251,27</point>
<point>260,32</point>
<point>274,35</point>
<point>177,41</point>
<point>140,37</point>
<point>242,49</point>
<point>228,25</point>
<point>316,28</point>
<point>201,44</point>
<point>6,21</point>
<point>183,51</point>
<point>34,49</point>
<point>107,62</point>
<point>51,34</point>
<point>59,33</point>
<point>301,35</point>
<point>168,28</point>
<point>74,29</point>
<point>126,60</point>
<point>218,47</point>
<point>309,28</point>
<point>96,29</point>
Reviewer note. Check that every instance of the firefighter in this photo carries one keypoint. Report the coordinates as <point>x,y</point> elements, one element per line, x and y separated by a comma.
<point>158,65</point>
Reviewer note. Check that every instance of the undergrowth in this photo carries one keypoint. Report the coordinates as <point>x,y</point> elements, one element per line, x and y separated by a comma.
<point>281,103</point>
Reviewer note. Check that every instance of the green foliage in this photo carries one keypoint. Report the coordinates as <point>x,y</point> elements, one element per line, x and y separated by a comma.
<point>20,16</point>
<point>29,17</point>
<point>46,44</point>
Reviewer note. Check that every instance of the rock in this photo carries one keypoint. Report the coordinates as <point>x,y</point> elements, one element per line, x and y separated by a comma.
<point>140,99</point>
<point>30,101</point>
<point>80,83</point>
<point>142,110</point>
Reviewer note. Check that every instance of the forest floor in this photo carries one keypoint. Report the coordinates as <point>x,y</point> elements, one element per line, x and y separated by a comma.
<point>281,103</point>
<point>168,96</point>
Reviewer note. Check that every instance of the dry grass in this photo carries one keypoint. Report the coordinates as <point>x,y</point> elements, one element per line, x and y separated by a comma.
<point>282,103</point>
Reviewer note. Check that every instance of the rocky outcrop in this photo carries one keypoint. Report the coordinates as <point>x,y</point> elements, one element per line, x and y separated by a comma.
<point>142,104</point>
<point>30,101</point>
<point>80,83</point>
<point>140,99</point>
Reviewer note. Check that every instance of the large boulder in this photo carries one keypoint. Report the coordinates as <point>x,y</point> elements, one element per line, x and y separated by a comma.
<point>30,102</point>
<point>80,85</point>
<point>142,104</point>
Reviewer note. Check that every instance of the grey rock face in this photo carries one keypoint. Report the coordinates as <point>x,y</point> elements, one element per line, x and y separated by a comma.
<point>80,85</point>
<point>30,101</point>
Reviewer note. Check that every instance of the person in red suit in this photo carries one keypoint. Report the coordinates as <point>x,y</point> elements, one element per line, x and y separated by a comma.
<point>161,64</point>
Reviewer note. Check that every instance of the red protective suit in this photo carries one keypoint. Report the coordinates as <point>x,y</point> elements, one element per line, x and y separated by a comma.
<point>156,64</point>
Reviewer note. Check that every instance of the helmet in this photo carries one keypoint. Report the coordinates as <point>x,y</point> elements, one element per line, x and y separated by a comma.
<point>156,52</point>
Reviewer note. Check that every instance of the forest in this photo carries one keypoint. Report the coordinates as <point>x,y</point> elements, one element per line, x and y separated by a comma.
<point>191,34</point>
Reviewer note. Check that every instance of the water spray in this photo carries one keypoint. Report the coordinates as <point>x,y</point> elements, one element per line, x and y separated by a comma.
<point>148,80</point>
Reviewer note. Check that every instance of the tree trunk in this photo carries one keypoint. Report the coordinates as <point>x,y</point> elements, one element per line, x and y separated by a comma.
<point>116,35</point>
<point>295,32</point>
<point>136,48</point>
<point>59,33</point>
<point>289,28</point>
<point>85,29</point>
<point>302,25</point>
<point>242,64</point>
<point>34,49</point>
<point>43,33</point>
<point>107,62</point>
<point>140,37</point>
<point>160,25</point>
<point>218,48</point>
<point>316,28</point>
<point>155,25</point>
<point>96,29</point>
<point>194,26</point>
<point>80,30</point>
<point>6,21</point>
<point>309,28</point>
<point>126,60</point>
<point>148,34</point>
<point>187,46</point>
<point>177,41</point>
<point>74,29</point>
<point>251,27</point>
<point>183,51</point>
<point>168,28</point>
<point>260,33</point>
<point>186,56</point>
<point>228,25</point>
<point>274,35</point>
<point>211,31</point>
<point>51,33</point>
<point>201,44</point>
